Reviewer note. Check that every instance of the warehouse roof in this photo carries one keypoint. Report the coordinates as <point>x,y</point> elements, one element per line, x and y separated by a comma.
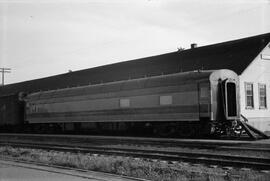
<point>235,55</point>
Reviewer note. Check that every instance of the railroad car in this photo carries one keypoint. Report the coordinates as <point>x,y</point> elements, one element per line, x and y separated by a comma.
<point>185,104</point>
<point>11,112</point>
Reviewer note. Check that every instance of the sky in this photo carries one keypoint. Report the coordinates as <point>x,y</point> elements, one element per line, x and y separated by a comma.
<point>40,38</point>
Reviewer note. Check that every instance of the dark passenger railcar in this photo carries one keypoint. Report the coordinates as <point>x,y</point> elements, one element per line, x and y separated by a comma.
<point>198,102</point>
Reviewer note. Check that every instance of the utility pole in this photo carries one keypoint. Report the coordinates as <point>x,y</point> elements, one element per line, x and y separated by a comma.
<point>3,71</point>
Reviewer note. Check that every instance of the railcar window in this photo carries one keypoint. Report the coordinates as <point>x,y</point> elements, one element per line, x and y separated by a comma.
<point>249,95</point>
<point>165,100</point>
<point>204,92</point>
<point>262,96</point>
<point>124,103</point>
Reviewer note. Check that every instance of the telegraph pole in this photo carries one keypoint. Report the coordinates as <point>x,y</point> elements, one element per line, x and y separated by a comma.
<point>3,71</point>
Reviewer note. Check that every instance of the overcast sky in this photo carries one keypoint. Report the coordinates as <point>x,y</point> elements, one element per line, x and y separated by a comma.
<point>40,38</point>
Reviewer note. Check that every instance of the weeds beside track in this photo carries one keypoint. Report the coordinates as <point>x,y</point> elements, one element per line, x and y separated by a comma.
<point>157,153</point>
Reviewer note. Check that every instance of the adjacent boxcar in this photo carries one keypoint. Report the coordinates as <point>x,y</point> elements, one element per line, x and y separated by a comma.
<point>11,112</point>
<point>200,101</point>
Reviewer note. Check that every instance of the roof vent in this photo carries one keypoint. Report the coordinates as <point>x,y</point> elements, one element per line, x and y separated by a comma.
<point>193,45</point>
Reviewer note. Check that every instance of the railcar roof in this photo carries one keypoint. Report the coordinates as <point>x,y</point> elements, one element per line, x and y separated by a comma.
<point>147,82</point>
<point>234,55</point>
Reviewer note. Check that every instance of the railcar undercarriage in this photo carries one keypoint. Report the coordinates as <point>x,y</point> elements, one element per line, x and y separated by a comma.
<point>202,129</point>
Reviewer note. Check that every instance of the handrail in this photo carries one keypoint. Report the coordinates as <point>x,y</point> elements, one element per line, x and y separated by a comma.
<point>245,119</point>
<point>251,130</point>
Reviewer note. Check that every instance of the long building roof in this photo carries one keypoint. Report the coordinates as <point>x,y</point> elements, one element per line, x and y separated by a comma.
<point>235,55</point>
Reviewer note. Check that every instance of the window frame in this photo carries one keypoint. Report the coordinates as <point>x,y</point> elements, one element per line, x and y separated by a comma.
<point>246,96</point>
<point>259,96</point>
<point>168,102</point>
<point>124,102</point>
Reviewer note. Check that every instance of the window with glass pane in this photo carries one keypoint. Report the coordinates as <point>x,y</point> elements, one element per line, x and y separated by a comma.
<point>165,100</point>
<point>262,95</point>
<point>124,103</point>
<point>249,95</point>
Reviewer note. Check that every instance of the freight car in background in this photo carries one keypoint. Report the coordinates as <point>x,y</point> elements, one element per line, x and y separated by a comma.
<point>11,112</point>
<point>189,103</point>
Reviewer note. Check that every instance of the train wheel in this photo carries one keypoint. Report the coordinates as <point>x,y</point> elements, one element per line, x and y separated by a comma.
<point>164,130</point>
<point>186,130</point>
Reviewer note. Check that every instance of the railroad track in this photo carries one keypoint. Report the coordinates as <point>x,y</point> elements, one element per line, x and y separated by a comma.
<point>206,158</point>
<point>142,141</point>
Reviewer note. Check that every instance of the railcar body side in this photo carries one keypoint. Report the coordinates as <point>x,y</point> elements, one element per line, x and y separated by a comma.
<point>182,97</point>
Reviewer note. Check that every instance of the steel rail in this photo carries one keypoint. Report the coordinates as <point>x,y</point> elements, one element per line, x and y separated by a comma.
<point>189,143</point>
<point>217,159</point>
